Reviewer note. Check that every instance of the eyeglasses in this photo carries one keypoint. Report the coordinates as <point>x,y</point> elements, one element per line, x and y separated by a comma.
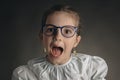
<point>67,31</point>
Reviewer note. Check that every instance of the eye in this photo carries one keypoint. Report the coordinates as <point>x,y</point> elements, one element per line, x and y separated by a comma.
<point>67,31</point>
<point>49,30</point>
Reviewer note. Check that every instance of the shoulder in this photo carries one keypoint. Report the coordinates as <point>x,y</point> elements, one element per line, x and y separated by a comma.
<point>27,71</point>
<point>20,72</point>
<point>23,73</point>
<point>83,58</point>
<point>89,58</point>
<point>96,66</point>
<point>20,69</point>
<point>32,62</point>
<point>92,62</point>
<point>36,62</point>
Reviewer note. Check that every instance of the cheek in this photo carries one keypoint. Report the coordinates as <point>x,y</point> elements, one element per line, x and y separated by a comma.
<point>46,41</point>
<point>69,44</point>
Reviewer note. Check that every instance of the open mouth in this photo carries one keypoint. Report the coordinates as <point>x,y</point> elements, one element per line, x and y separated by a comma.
<point>56,51</point>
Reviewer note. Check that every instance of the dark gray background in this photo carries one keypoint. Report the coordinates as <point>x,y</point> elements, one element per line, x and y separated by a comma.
<point>20,25</point>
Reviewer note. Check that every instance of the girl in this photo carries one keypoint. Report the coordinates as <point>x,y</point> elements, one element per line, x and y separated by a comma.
<point>60,34</point>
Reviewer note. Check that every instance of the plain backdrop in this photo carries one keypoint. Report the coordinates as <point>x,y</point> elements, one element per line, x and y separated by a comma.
<point>20,25</point>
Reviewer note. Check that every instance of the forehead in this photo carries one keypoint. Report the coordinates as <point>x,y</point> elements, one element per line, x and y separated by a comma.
<point>61,18</point>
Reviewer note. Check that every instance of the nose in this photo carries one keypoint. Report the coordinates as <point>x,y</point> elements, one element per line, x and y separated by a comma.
<point>57,35</point>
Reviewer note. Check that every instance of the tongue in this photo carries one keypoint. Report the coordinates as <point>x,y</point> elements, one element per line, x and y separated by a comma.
<point>56,52</point>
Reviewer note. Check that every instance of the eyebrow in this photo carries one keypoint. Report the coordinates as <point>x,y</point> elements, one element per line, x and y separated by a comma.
<point>59,26</point>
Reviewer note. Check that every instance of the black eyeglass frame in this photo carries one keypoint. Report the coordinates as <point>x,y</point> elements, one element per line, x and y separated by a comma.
<point>61,27</point>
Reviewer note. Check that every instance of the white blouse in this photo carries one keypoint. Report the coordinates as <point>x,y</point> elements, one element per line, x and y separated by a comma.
<point>79,67</point>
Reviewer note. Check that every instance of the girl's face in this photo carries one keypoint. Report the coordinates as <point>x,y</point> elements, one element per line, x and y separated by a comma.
<point>58,46</point>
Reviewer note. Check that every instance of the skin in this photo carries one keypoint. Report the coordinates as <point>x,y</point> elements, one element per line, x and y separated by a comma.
<point>61,18</point>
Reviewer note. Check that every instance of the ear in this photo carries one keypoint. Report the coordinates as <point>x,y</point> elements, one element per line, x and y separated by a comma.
<point>78,38</point>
